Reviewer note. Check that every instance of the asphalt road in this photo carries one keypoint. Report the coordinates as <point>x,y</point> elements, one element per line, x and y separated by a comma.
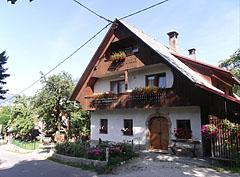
<point>35,164</point>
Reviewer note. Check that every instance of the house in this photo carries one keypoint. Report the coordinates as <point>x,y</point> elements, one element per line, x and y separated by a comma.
<point>154,90</point>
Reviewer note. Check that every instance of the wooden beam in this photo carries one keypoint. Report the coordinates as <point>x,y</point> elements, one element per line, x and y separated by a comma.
<point>126,80</point>
<point>213,75</point>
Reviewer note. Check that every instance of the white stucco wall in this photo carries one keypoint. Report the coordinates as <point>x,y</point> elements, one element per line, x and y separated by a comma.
<point>139,117</point>
<point>136,78</point>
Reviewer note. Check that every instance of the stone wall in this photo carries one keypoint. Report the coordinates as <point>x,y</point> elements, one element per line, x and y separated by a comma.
<point>81,161</point>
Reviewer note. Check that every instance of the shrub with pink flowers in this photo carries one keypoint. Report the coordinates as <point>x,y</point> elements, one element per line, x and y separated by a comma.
<point>77,149</point>
<point>210,131</point>
<point>115,151</point>
<point>96,154</point>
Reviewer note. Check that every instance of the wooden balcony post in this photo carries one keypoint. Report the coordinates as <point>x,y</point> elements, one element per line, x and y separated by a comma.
<point>126,80</point>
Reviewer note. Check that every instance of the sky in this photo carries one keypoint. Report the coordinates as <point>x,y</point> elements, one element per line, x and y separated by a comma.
<point>38,35</point>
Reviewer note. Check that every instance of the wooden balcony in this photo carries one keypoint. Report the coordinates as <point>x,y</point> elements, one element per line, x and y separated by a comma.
<point>126,100</point>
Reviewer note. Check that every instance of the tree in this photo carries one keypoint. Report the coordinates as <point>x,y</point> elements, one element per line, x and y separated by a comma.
<point>23,118</point>
<point>233,65</point>
<point>5,117</point>
<point>79,125</point>
<point>52,101</point>
<point>14,1</point>
<point>3,60</point>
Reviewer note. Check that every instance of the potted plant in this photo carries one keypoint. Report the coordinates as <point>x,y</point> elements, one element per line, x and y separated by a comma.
<point>147,91</point>
<point>103,129</point>
<point>210,131</point>
<point>126,131</point>
<point>118,57</point>
<point>183,133</point>
<point>104,95</point>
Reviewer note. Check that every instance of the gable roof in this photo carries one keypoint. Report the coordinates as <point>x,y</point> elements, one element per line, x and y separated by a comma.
<point>224,71</point>
<point>159,48</point>
<point>164,52</point>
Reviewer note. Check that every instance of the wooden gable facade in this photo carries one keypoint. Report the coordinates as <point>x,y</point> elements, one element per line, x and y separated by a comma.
<point>195,84</point>
<point>183,92</point>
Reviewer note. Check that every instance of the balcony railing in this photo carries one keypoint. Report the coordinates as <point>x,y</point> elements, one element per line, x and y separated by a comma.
<point>126,100</point>
<point>143,100</point>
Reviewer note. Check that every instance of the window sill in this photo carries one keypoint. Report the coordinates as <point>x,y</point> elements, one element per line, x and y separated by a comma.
<point>127,135</point>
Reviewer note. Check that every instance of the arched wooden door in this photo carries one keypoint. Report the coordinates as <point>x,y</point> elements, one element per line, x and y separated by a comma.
<point>159,133</point>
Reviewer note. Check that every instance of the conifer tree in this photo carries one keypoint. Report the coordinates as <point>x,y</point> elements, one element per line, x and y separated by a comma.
<point>3,75</point>
<point>14,1</point>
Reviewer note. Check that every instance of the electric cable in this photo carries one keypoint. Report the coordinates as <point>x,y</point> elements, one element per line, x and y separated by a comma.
<point>143,10</point>
<point>109,21</point>
<point>57,64</point>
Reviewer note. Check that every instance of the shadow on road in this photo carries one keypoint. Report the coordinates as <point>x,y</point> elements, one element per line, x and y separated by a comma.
<point>42,168</point>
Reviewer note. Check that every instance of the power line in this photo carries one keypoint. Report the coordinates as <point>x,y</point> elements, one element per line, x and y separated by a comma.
<point>57,64</point>
<point>109,21</point>
<point>143,9</point>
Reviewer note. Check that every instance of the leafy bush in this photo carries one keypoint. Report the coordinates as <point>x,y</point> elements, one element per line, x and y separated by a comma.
<point>72,149</point>
<point>96,154</point>
<point>119,151</point>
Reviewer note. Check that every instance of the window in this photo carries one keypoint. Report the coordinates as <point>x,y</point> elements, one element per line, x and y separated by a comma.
<point>128,127</point>
<point>103,126</point>
<point>117,86</point>
<point>150,81</point>
<point>162,81</point>
<point>156,80</point>
<point>184,128</point>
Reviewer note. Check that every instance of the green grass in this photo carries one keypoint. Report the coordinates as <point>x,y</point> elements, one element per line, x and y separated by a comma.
<point>221,168</point>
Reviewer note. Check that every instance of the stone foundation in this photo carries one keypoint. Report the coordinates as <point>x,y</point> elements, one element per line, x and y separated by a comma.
<point>81,161</point>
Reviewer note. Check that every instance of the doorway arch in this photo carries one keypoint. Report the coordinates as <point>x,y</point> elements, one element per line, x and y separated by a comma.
<point>158,131</point>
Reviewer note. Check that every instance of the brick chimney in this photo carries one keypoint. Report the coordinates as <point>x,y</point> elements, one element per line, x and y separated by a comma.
<point>173,43</point>
<point>192,53</point>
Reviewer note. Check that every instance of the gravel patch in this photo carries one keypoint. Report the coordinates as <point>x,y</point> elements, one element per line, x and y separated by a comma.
<point>165,165</point>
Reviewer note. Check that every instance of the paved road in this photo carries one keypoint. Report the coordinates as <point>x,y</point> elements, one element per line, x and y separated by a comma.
<point>150,165</point>
<point>35,165</point>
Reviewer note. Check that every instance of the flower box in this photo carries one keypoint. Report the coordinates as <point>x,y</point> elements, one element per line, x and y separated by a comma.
<point>126,131</point>
<point>118,57</point>
<point>104,95</point>
<point>103,130</point>
<point>147,91</point>
<point>181,133</point>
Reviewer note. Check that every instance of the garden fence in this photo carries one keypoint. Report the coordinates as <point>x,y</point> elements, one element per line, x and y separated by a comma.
<point>227,144</point>
<point>26,145</point>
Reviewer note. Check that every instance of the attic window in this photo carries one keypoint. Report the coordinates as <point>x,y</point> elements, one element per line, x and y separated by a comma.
<point>128,51</point>
<point>132,50</point>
